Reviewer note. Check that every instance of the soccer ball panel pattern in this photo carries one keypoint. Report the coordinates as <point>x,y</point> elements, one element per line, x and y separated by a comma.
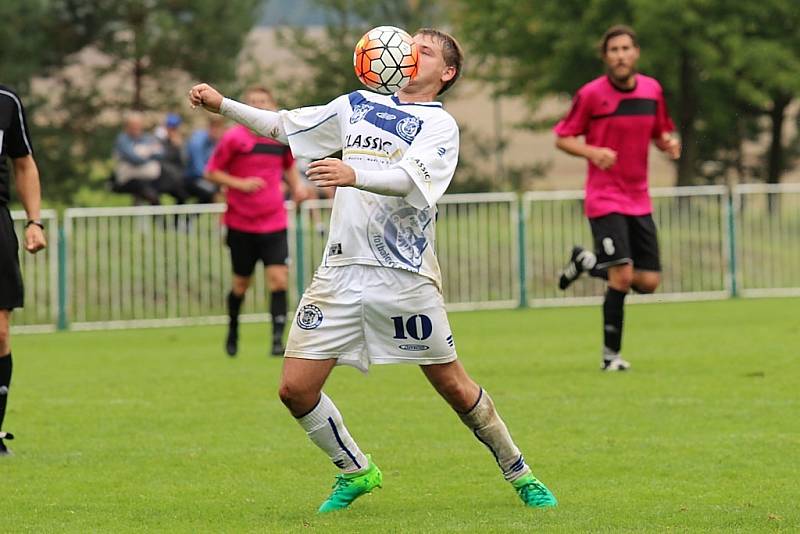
<point>386,59</point>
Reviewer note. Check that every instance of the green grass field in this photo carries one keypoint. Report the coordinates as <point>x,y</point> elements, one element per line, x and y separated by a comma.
<point>157,431</point>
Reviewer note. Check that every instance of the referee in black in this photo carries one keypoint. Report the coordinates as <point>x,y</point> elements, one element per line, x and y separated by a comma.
<point>15,143</point>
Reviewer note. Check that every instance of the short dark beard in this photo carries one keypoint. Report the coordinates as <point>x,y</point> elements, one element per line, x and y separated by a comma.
<point>622,83</point>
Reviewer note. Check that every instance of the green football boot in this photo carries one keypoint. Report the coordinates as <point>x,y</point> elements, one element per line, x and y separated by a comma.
<point>349,487</point>
<point>533,493</point>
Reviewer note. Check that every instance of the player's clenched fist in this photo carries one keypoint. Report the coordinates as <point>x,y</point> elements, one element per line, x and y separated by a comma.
<point>204,95</point>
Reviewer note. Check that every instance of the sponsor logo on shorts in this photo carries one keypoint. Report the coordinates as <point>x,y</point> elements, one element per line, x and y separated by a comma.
<point>608,246</point>
<point>412,346</point>
<point>309,317</point>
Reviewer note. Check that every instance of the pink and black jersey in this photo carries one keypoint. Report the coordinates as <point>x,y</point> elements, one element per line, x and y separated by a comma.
<point>241,153</point>
<point>624,121</point>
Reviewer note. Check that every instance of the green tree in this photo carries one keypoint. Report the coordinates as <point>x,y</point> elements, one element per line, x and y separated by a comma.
<point>143,51</point>
<point>722,64</point>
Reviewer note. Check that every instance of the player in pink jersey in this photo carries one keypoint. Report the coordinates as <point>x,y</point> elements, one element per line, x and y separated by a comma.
<point>618,114</point>
<point>252,169</point>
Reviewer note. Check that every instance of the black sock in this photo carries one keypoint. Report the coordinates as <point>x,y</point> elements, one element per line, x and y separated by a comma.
<point>613,313</point>
<point>5,383</point>
<point>234,305</point>
<point>598,273</point>
<point>277,308</point>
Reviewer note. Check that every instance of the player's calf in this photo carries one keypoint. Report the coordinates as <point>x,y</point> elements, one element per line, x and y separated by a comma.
<point>489,428</point>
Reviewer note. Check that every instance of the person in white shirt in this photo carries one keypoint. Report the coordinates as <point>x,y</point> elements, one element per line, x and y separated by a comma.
<point>377,297</point>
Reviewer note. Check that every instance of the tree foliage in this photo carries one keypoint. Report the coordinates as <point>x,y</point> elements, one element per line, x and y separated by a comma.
<point>141,47</point>
<point>724,65</point>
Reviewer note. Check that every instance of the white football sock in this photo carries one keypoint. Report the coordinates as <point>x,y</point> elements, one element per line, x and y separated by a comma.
<point>325,427</point>
<point>490,430</point>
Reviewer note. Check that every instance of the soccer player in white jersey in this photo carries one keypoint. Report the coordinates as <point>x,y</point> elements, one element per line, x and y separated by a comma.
<point>377,297</point>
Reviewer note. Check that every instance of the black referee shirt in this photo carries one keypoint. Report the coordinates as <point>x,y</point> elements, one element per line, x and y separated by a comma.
<point>15,140</point>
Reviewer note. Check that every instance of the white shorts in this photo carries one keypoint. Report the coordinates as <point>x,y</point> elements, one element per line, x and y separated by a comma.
<point>360,314</point>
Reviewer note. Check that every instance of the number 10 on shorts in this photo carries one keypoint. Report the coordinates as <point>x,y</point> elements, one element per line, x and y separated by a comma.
<point>417,327</point>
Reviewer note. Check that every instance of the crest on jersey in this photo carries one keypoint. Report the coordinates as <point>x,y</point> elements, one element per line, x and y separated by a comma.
<point>309,317</point>
<point>407,128</point>
<point>359,112</point>
<point>396,234</point>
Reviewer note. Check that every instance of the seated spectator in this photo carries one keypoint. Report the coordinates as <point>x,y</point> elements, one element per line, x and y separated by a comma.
<point>172,161</point>
<point>172,139</point>
<point>137,165</point>
<point>199,148</point>
<point>139,168</point>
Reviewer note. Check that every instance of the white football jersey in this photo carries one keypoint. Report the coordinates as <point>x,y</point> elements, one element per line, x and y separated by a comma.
<point>377,132</point>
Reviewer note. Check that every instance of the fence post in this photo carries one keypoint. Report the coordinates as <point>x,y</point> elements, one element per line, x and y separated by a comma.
<point>523,277</point>
<point>62,279</point>
<point>732,267</point>
<point>299,256</point>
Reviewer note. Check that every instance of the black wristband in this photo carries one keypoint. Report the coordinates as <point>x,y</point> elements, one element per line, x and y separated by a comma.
<point>34,221</point>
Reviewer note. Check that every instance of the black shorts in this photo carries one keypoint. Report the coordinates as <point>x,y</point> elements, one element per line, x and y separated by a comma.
<point>247,248</point>
<point>620,239</point>
<point>12,294</point>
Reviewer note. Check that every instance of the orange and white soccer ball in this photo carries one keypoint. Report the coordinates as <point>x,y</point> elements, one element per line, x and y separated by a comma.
<point>386,59</point>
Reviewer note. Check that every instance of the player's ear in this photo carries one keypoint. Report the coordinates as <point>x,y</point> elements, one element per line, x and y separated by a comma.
<point>449,73</point>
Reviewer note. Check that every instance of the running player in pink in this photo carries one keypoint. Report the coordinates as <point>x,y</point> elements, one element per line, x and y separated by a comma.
<point>252,168</point>
<point>618,115</point>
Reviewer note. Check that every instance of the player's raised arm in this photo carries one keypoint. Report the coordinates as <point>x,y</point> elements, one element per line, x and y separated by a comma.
<point>204,95</point>
<point>262,121</point>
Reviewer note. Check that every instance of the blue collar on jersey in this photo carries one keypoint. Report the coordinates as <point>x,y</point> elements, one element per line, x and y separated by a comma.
<point>390,119</point>
<point>426,104</point>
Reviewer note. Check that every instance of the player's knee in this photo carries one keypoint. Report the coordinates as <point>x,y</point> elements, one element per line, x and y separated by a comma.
<point>621,282</point>
<point>645,288</point>
<point>646,284</point>
<point>278,278</point>
<point>240,285</point>
<point>456,393</point>
<point>286,393</point>
<point>296,396</point>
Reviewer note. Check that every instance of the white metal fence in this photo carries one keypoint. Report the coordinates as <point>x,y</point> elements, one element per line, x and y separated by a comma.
<point>476,243</point>
<point>767,239</point>
<point>166,265</point>
<point>149,266</point>
<point>693,239</point>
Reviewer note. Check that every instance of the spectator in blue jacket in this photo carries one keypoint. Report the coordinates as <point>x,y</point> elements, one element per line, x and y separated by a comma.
<point>199,148</point>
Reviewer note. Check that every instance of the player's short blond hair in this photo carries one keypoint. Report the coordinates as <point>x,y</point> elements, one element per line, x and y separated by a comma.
<point>451,50</point>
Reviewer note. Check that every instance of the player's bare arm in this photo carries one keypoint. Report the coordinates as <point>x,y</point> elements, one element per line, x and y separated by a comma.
<point>602,157</point>
<point>248,184</point>
<point>26,174</point>
<point>669,145</point>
